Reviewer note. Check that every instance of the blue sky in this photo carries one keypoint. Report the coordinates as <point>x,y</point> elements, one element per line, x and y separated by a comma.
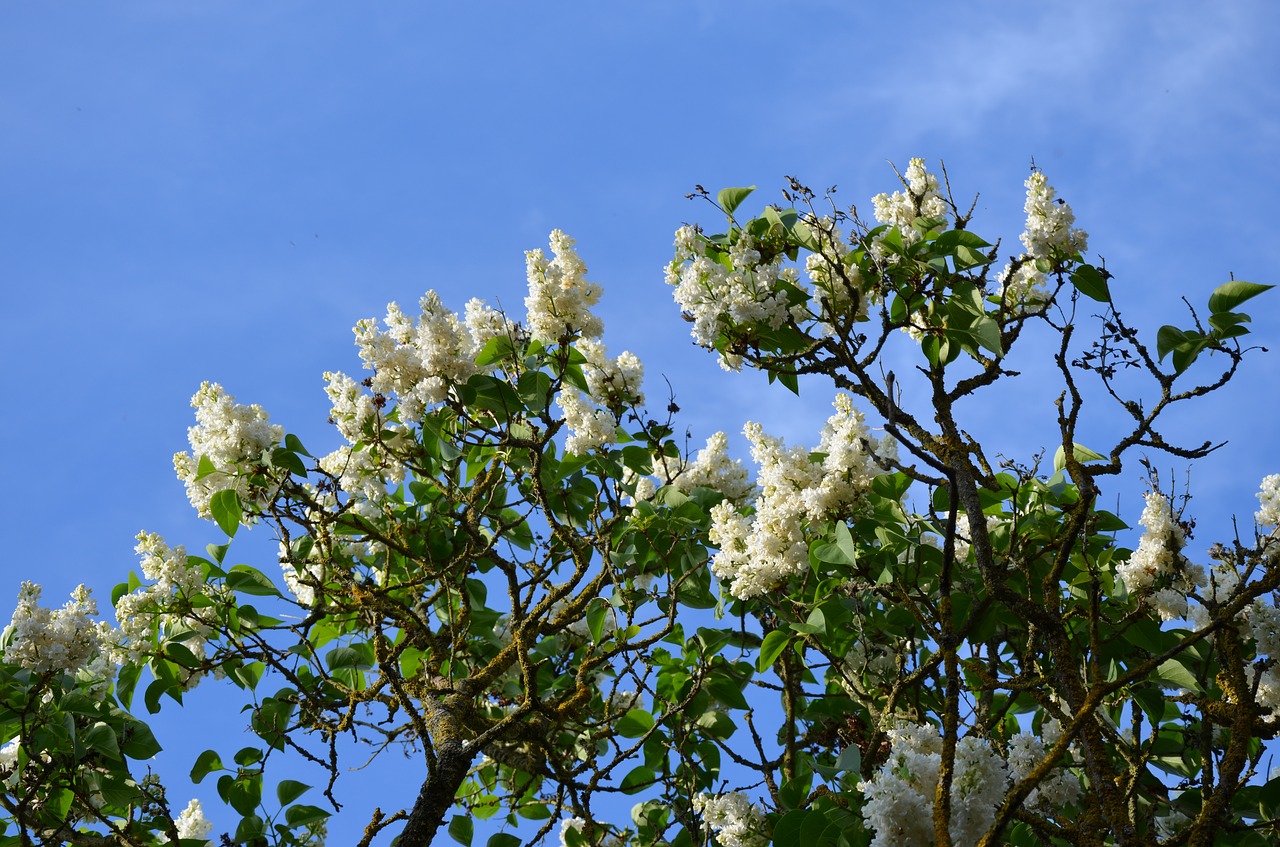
<point>218,191</point>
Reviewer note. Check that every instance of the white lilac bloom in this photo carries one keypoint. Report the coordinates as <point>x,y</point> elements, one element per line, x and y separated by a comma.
<point>353,409</point>
<point>560,297</point>
<point>712,468</point>
<point>191,824</point>
<point>1157,572</point>
<point>1049,227</point>
<point>590,427</point>
<point>715,297</point>
<point>614,383</point>
<point>165,604</point>
<point>921,199</point>
<point>900,796</point>
<point>64,640</point>
<point>1059,789</point>
<point>417,362</point>
<point>1268,517</point>
<point>736,820</point>
<point>231,437</point>
<point>758,552</point>
<point>1048,234</point>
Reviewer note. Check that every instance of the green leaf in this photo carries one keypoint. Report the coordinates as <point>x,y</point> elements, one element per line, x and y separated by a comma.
<point>251,828</point>
<point>597,610</point>
<point>1177,675</point>
<point>291,442</point>
<point>102,738</point>
<point>296,816</point>
<point>638,780</point>
<point>495,349</point>
<point>503,839</point>
<point>249,580</point>
<point>634,723</point>
<point>1167,339</point>
<point>225,507</point>
<point>771,648</point>
<point>731,198</point>
<point>289,790</point>
<point>246,756</point>
<point>206,763</point>
<point>204,467</point>
<point>1090,282</point>
<point>1231,294</point>
<point>137,741</point>
<point>1083,454</point>
<point>461,829</point>
<point>815,625</point>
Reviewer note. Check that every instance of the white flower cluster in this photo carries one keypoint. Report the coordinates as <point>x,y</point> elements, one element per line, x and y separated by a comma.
<point>900,797</point>
<point>560,297</point>
<point>231,437</point>
<point>711,468</point>
<point>418,361</point>
<point>716,297</point>
<point>759,551</point>
<point>613,386</point>
<point>1157,572</point>
<point>737,821</point>
<point>836,285</point>
<point>575,824</point>
<point>1060,788</point>
<point>1268,517</point>
<point>1049,232</point>
<point>65,640</point>
<point>166,602</point>
<point>352,409</point>
<point>191,823</point>
<point>1049,223</point>
<point>901,208</point>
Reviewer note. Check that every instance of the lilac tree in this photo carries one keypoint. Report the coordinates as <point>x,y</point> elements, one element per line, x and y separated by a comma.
<point>513,571</point>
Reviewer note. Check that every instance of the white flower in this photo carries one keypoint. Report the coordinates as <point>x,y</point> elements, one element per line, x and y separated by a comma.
<point>715,297</point>
<point>1157,572</point>
<point>575,824</point>
<point>1268,517</point>
<point>1024,289</point>
<point>900,797</point>
<point>1049,227</point>
<point>758,552</point>
<point>901,208</point>
<point>560,297</point>
<point>63,640</point>
<point>1060,788</point>
<point>231,438</point>
<point>417,362</point>
<point>352,410</point>
<point>737,821</point>
<point>191,823</point>
<point>712,468</point>
<point>164,605</point>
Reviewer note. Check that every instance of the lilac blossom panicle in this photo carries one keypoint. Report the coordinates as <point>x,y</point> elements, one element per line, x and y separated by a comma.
<point>758,552</point>
<point>1048,235</point>
<point>232,438</point>
<point>900,797</point>
<point>921,199</point>
<point>736,820</point>
<point>417,362</point>
<point>66,640</point>
<point>165,605</point>
<point>1157,572</point>
<point>560,297</point>
<point>716,297</point>
<point>614,386</point>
